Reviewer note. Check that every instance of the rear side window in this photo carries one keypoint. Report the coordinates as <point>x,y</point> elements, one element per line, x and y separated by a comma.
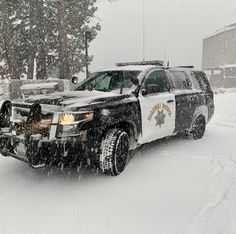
<point>202,80</point>
<point>180,80</point>
<point>195,83</point>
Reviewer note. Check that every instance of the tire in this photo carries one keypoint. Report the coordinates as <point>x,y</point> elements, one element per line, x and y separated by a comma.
<point>198,128</point>
<point>114,152</point>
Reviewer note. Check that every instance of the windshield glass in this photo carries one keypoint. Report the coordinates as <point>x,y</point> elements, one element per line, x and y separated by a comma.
<point>110,81</point>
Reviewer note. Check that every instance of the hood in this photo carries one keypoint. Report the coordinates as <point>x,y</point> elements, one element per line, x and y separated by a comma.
<point>75,99</point>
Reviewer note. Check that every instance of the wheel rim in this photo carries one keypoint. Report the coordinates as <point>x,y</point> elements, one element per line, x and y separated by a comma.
<point>122,150</point>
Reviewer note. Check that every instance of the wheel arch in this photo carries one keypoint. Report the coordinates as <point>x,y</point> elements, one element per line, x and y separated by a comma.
<point>129,127</point>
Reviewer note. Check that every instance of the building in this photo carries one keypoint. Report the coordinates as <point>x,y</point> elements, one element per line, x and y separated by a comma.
<point>219,57</point>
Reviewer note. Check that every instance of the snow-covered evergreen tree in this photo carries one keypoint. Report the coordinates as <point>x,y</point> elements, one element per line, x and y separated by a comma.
<point>46,36</point>
<point>8,45</point>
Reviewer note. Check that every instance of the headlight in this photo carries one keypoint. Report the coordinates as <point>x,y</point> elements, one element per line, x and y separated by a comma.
<point>67,118</point>
<point>69,123</point>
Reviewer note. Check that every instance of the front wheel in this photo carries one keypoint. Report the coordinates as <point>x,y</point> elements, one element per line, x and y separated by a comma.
<point>199,127</point>
<point>114,152</point>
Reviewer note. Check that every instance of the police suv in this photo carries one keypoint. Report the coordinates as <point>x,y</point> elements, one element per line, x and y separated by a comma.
<point>107,115</point>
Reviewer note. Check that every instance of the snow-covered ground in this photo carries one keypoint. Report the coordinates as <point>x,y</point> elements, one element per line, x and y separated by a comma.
<point>172,186</point>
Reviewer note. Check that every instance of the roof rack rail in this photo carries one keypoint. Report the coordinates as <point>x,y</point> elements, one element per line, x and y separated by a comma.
<point>189,67</point>
<point>153,62</point>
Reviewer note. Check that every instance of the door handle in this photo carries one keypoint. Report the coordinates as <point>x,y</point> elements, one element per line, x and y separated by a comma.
<point>169,101</point>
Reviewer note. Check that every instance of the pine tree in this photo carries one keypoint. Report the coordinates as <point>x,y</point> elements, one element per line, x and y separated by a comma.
<point>74,21</point>
<point>80,15</point>
<point>7,35</point>
<point>46,35</point>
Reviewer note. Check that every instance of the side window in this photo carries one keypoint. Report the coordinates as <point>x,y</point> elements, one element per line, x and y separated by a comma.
<point>203,81</point>
<point>180,80</point>
<point>195,82</point>
<point>157,78</point>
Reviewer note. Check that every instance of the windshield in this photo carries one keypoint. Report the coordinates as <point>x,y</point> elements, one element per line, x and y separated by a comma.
<point>110,81</point>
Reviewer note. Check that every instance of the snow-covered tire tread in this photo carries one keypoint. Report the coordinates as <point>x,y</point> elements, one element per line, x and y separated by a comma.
<point>199,127</point>
<point>108,154</point>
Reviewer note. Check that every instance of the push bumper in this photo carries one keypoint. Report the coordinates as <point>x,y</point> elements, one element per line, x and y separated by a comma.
<point>39,152</point>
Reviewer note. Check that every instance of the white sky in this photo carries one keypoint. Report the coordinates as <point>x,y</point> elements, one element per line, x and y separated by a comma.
<point>176,27</point>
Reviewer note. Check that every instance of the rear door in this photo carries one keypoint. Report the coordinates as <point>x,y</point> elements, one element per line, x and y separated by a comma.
<point>182,89</point>
<point>207,93</point>
<point>157,107</point>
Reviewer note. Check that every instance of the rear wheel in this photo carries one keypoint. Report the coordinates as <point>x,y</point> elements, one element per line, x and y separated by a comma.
<point>199,127</point>
<point>115,150</point>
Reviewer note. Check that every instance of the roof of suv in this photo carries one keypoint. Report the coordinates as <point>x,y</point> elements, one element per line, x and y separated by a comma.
<point>131,68</point>
<point>144,67</point>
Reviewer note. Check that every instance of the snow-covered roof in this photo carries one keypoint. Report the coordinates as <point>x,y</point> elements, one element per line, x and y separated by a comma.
<point>39,86</point>
<point>228,66</point>
<point>221,30</point>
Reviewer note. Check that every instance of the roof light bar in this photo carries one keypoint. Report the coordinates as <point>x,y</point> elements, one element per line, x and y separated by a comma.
<point>189,67</point>
<point>154,62</point>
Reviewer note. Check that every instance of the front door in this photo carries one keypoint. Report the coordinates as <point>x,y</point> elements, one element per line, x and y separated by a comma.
<point>157,107</point>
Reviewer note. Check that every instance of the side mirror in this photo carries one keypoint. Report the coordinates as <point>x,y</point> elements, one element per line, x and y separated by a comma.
<point>144,92</point>
<point>135,81</point>
<point>151,88</point>
<point>75,80</point>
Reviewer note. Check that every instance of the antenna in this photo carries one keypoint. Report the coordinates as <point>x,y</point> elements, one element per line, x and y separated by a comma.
<point>168,59</point>
<point>144,39</point>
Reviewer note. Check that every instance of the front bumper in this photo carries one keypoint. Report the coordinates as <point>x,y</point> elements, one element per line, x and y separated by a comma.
<point>39,152</point>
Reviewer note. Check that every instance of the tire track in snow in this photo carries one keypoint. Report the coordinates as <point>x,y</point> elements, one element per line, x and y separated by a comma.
<point>214,214</point>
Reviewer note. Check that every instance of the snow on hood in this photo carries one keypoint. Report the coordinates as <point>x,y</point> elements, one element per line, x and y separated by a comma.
<point>72,99</point>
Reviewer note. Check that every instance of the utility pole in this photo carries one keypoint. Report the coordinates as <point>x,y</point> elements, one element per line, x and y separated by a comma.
<point>144,41</point>
<point>64,67</point>
<point>88,36</point>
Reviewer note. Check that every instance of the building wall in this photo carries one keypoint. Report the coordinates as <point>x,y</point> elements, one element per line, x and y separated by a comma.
<point>219,50</point>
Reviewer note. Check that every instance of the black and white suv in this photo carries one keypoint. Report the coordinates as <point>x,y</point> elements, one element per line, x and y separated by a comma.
<point>104,117</point>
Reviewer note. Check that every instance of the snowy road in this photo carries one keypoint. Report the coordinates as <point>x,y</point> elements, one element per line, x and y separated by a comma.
<point>175,186</point>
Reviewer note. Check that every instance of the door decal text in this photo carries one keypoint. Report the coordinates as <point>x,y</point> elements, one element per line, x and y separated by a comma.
<point>159,108</point>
